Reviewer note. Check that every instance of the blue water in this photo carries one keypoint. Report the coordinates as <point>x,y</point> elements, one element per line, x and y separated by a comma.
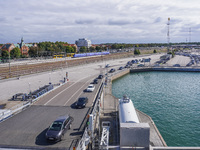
<point>172,99</point>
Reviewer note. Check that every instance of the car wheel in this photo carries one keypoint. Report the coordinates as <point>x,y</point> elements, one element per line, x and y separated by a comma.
<point>61,138</point>
<point>70,126</point>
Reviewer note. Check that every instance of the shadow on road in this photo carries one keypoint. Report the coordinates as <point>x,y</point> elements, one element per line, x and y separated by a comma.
<point>41,139</point>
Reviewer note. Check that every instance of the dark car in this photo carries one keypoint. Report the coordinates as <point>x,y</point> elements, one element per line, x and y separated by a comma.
<point>112,70</point>
<point>100,76</point>
<point>82,101</point>
<point>95,81</point>
<point>127,66</point>
<point>106,66</point>
<point>121,68</point>
<point>58,128</point>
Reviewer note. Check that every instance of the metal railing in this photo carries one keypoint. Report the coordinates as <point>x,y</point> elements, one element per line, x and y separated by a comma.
<point>88,135</point>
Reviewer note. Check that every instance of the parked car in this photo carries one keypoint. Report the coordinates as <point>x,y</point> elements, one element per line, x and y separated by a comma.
<point>82,101</point>
<point>121,68</point>
<point>112,70</point>
<point>176,65</point>
<point>127,66</point>
<point>95,81</point>
<point>140,65</point>
<point>58,128</point>
<point>129,63</point>
<point>90,88</point>
<point>100,76</point>
<point>106,66</point>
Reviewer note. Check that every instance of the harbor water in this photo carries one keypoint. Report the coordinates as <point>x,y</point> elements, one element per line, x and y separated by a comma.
<point>172,99</point>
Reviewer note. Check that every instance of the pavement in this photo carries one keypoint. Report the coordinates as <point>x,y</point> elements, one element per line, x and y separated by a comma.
<point>25,84</point>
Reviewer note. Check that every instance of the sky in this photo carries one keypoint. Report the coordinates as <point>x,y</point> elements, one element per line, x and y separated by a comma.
<point>101,21</point>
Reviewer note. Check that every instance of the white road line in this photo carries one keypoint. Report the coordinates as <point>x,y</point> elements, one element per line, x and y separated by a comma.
<point>64,90</point>
<point>74,94</point>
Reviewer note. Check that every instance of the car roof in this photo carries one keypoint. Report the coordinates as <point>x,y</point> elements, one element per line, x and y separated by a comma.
<point>82,97</point>
<point>62,118</point>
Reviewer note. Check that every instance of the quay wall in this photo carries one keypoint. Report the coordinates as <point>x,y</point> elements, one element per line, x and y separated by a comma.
<point>120,74</point>
<point>167,69</point>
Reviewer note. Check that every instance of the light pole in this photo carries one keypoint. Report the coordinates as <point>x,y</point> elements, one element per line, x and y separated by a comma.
<point>29,84</point>
<point>49,78</point>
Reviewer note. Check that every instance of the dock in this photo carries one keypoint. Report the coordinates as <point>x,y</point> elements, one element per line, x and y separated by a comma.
<point>109,112</point>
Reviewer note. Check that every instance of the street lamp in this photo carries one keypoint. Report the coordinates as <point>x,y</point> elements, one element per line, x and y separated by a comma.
<point>49,78</point>
<point>29,84</point>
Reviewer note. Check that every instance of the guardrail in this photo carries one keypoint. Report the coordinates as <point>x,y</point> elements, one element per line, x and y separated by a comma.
<point>17,108</point>
<point>88,136</point>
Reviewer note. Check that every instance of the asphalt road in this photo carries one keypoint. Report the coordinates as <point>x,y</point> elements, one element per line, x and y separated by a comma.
<point>28,128</point>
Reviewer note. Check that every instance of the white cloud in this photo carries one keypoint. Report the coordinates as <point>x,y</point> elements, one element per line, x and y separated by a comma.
<point>101,21</point>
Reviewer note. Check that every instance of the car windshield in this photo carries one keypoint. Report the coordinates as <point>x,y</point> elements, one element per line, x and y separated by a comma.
<point>56,126</point>
<point>90,86</point>
<point>81,99</point>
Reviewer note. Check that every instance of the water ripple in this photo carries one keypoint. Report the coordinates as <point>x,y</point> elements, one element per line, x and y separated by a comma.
<point>172,99</point>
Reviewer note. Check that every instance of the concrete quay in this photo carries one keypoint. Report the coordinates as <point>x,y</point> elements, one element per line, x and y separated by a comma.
<point>110,113</point>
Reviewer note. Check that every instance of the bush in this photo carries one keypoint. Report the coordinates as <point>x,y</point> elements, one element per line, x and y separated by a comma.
<point>136,52</point>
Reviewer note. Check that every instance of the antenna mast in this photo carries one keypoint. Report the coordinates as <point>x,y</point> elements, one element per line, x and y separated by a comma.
<point>189,35</point>
<point>168,37</point>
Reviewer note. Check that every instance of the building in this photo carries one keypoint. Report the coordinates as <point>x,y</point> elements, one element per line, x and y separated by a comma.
<point>8,47</point>
<point>83,42</point>
<point>24,48</point>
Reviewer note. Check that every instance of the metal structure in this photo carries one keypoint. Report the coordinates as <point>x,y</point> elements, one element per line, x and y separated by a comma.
<point>168,37</point>
<point>189,35</point>
<point>89,133</point>
<point>105,135</point>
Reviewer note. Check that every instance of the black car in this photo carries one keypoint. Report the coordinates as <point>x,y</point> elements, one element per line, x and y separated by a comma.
<point>58,128</point>
<point>121,68</point>
<point>82,101</point>
<point>106,66</point>
<point>127,66</point>
<point>112,70</point>
<point>100,76</point>
<point>95,81</point>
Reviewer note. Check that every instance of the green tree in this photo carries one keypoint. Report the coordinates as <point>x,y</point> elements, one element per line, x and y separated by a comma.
<point>15,53</point>
<point>33,51</point>
<point>69,49</point>
<point>83,49</point>
<point>137,52</point>
<point>98,48</point>
<point>5,54</point>
<point>154,51</point>
<point>92,49</point>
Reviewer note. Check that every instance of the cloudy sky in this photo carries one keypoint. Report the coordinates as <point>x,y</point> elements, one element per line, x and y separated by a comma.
<point>101,21</point>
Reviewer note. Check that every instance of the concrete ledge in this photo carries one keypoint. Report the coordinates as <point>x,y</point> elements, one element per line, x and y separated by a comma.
<point>168,69</point>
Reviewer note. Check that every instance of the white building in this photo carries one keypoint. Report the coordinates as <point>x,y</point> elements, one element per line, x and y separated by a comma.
<point>83,42</point>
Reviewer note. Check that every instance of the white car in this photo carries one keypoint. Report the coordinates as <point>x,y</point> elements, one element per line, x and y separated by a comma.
<point>90,88</point>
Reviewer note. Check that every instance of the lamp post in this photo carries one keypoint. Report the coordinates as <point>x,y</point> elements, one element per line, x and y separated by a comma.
<point>49,78</point>
<point>29,84</point>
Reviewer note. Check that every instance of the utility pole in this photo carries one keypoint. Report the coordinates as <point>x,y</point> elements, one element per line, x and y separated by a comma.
<point>168,37</point>
<point>189,35</point>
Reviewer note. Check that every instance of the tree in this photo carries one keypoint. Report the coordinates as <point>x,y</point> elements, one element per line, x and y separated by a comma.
<point>98,48</point>
<point>137,52</point>
<point>15,53</point>
<point>83,49</point>
<point>91,49</point>
<point>5,54</point>
<point>154,51</point>
<point>33,52</point>
<point>69,49</point>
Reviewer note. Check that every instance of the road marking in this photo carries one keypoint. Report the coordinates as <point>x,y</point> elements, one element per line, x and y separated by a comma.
<point>64,90</point>
<point>75,93</point>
